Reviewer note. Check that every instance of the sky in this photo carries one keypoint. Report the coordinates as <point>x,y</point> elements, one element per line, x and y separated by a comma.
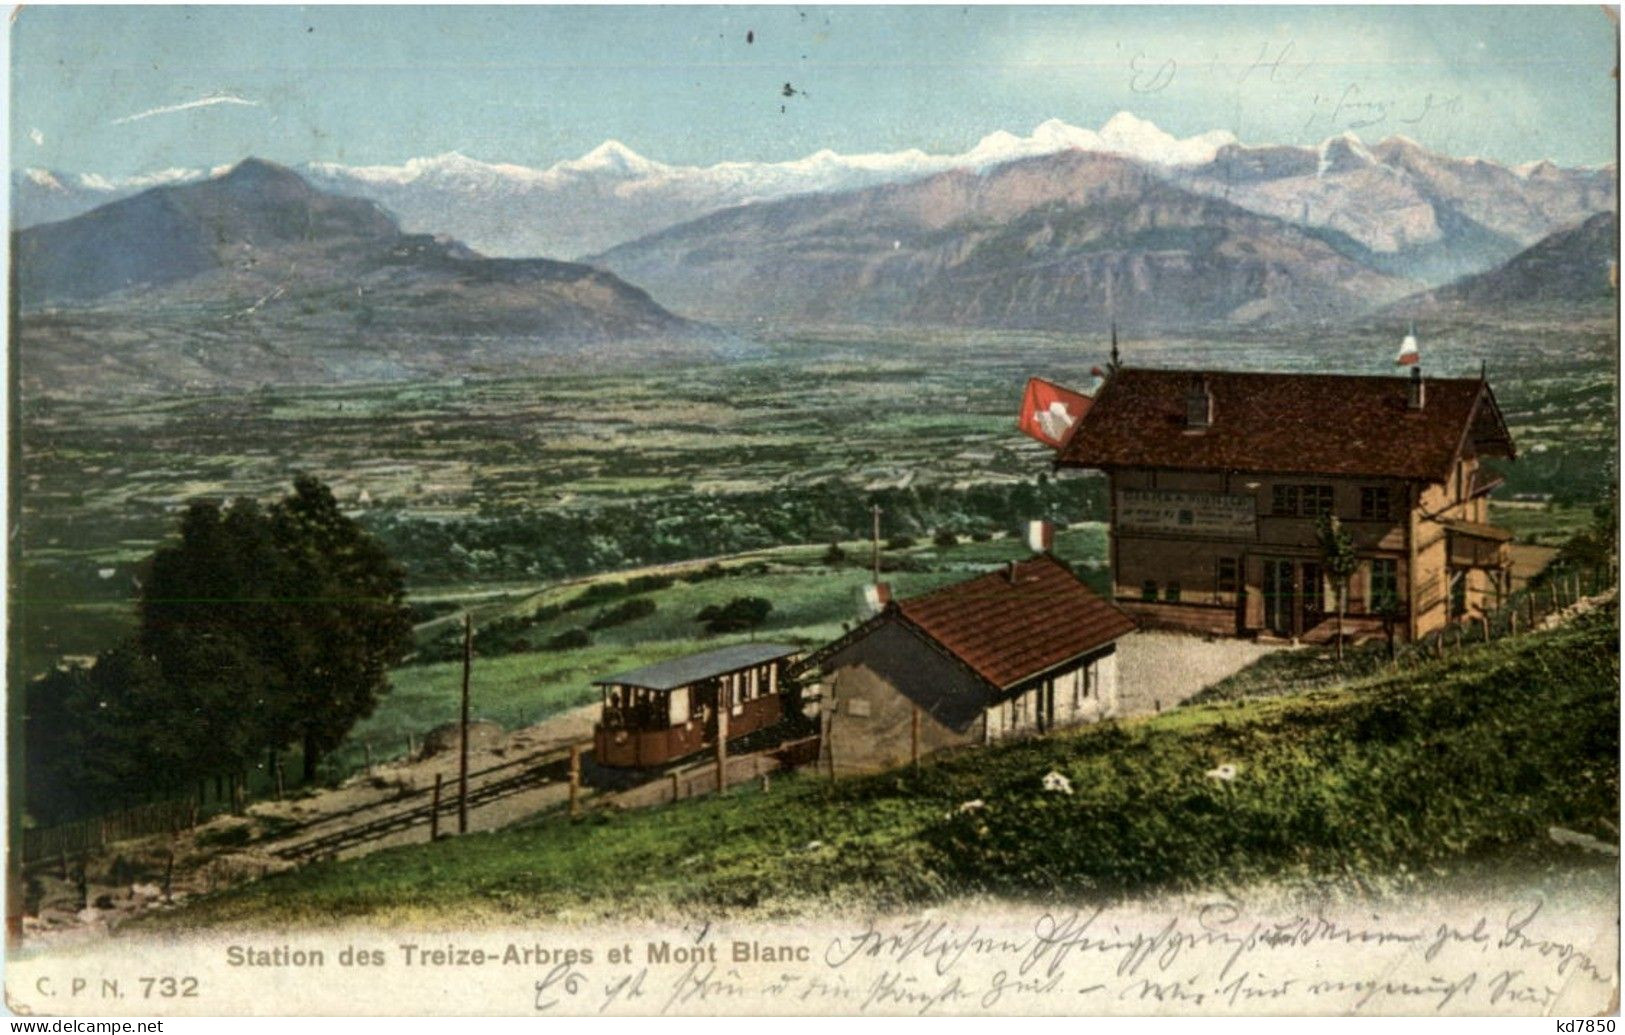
<point>123,90</point>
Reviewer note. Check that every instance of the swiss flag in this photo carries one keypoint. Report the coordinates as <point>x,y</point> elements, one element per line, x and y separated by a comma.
<point>1051,413</point>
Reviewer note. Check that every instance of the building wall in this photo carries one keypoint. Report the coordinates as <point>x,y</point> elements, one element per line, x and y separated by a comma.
<point>869,722</point>
<point>1084,693</point>
<point>1168,578</point>
<point>868,726</point>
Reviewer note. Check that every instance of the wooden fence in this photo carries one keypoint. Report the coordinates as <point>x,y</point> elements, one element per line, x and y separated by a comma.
<point>41,844</point>
<point>1554,590</point>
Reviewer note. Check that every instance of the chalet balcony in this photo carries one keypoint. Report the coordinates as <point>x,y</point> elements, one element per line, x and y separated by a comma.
<point>1475,545</point>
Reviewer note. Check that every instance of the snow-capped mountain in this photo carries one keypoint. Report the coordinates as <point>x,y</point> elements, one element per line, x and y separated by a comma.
<point>612,194</point>
<point>1402,208</point>
<point>1393,205</point>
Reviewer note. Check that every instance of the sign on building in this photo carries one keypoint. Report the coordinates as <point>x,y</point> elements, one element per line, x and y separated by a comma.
<point>1208,514</point>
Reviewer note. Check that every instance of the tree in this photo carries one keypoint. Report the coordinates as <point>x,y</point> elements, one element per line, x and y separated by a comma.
<point>1338,561</point>
<point>945,539</point>
<point>1595,546</point>
<point>346,622</point>
<point>210,620</point>
<point>99,737</point>
<point>273,627</point>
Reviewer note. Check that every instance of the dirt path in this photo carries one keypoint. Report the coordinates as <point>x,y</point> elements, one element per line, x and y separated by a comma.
<point>1158,670</point>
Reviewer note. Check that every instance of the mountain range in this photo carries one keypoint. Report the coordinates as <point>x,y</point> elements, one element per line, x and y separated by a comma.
<point>1048,242</point>
<point>255,276</point>
<point>1572,267</point>
<point>1408,211</point>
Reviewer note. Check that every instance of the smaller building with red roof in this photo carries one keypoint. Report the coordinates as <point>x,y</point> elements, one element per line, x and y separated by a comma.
<point>1023,650</point>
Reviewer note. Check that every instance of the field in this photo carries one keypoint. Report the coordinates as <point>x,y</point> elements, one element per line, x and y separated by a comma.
<point>496,493</point>
<point>1416,774</point>
<point>811,602</point>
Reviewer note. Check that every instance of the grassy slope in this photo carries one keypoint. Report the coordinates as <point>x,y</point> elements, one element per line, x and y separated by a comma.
<point>1428,768</point>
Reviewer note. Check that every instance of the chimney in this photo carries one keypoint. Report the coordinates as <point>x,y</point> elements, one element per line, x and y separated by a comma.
<point>1417,395</point>
<point>1198,404</point>
<point>1040,536</point>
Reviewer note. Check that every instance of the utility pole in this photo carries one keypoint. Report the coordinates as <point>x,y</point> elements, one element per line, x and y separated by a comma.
<point>462,760</point>
<point>876,552</point>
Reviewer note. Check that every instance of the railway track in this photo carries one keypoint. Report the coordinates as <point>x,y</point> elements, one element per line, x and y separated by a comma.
<point>545,767</point>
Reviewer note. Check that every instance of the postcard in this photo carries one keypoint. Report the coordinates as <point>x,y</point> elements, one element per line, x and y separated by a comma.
<point>825,510</point>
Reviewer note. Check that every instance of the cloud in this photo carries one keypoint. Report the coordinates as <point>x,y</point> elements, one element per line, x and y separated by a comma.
<point>201,102</point>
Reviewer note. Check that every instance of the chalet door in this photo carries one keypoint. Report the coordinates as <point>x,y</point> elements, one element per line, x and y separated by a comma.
<point>1314,598</point>
<point>1278,597</point>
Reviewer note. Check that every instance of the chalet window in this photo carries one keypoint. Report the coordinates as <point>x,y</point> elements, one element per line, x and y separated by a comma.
<point>1301,500</point>
<point>1225,580</point>
<point>1148,590</point>
<point>1376,503</point>
<point>1384,583</point>
<point>1170,593</point>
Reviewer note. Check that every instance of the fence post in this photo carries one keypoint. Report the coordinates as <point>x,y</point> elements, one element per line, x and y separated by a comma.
<point>575,780</point>
<point>434,810</point>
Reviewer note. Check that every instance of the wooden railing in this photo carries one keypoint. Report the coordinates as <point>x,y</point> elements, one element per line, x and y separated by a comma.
<point>40,844</point>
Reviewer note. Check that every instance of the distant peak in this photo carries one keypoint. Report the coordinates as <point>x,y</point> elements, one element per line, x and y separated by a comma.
<point>1344,152</point>
<point>44,178</point>
<point>611,155</point>
<point>1127,121</point>
<point>260,170</point>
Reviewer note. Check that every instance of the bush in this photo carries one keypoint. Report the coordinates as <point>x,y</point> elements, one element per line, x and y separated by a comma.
<point>834,556</point>
<point>944,539</point>
<point>234,836</point>
<point>650,583</point>
<point>597,593</point>
<point>737,615</point>
<point>900,542</point>
<point>570,639</point>
<point>620,614</point>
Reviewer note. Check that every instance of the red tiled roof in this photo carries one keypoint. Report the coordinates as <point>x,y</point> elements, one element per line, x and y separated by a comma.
<point>1287,423</point>
<point>1009,630</point>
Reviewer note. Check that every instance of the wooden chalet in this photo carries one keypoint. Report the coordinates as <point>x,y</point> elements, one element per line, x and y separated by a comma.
<point>1023,650</point>
<point>1217,479</point>
<point>676,708</point>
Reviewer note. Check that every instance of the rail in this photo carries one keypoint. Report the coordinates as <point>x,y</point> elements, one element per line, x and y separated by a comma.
<point>544,767</point>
